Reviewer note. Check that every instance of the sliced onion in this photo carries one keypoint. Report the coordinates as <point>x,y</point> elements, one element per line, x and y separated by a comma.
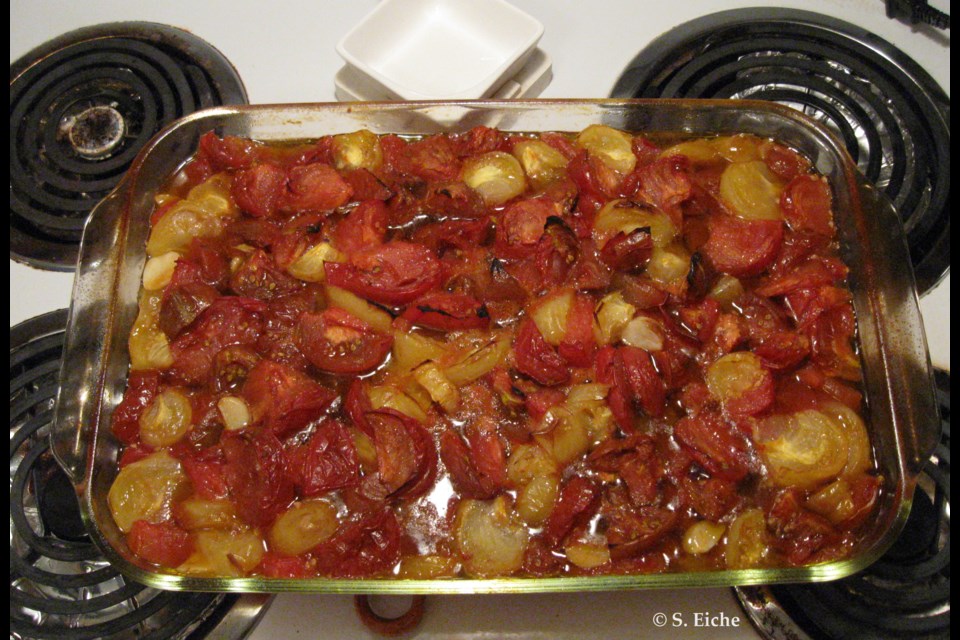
<point>643,332</point>
<point>235,413</point>
<point>158,270</point>
<point>612,146</point>
<point>303,526</point>
<point>496,176</point>
<point>550,315</point>
<point>310,265</point>
<point>166,420</point>
<point>701,537</point>
<point>751,191</point>
<point>374,316</point>
<point>438,385</point>
<point>613,313</point>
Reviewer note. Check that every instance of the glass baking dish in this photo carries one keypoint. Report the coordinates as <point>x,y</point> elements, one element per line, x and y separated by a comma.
<point>902,414</point>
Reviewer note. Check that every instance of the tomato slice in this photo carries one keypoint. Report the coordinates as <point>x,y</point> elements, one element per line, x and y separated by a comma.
<point>336,341</point>
<point>162,543</point>
<point>229,152</point>
<point>142,388</point>
<point>637,379</point>
<point>182,304</point>
<point>784,162</point>
<point>453,234</point>
<point>557,251</point>
<point>742,247</point>
<point>632,531</point>
<point>277,565</point>
<point>253,472</point>
<point>538,359</point>
<point>284,399</point>
<point>799,533</point>
<point>260,277</point>
<point>314,187</point>
<point>714,444</point>
<point>665,183</point>
<point>406,454</point>
<point>448,312</point>
<point>807,203</point>
<point>206,472</point>
<point>395,273</point>
<point>578,500</point>
<point>258,190</point>
<point>579,345</point>
<point>365,226</point>
<point>365,545</point>
<point>433,158</point>
<point>521,226</point>
<point>367,186</point>
<point>478,469</point>
<point>228,321</point>
<point>628,253</point>
<point>327,461</point>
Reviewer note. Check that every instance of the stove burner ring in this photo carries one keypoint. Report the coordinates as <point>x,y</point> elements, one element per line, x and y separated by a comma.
<point>890,113</point>
<point>60,586</point>
<point>95,132</point>
<point>81,108</point>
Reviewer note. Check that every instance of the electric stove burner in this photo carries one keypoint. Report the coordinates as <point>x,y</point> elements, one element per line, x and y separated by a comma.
<point>60,586</point>
<point>891,115</point>
<point>81,108</point>
<point>905,594</point>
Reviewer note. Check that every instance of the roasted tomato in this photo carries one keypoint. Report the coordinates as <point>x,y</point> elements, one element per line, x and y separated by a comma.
<point>394,273</point>
<point>142,388</point>
<point>742,247</point>
<point>366,545</point>
<point>448,312</point>
<point>335,341</point>
<point>260,277</point>
<point>364,227</point>
<point>284,399</point>
<point>807,203</point>
<point>478,469</point>
<point>258,190</point>
<point>537,358</point>
<point>716,445</point>
<point>327,461</point>
<point>314,187</point>
<point>406,455</point>
<point>182,304</point>
<point>229,152</point>
<point>522,225</point>
<point>578,500</point>
<point>228,321</point>
<point>253,470</point>
<point>162,543</point>
<point>638,381</point>
<point>666,184</point>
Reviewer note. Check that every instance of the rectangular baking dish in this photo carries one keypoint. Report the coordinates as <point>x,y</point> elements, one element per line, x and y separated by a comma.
<point>902,414</point>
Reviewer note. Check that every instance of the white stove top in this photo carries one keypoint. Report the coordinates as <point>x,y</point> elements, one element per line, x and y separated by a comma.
<point>284,52</point>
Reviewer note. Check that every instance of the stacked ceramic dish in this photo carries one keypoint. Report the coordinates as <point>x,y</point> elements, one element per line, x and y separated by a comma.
<point>443,49</point>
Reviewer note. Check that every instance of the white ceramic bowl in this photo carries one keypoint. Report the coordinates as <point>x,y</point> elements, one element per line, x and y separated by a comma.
<point>441,49</point>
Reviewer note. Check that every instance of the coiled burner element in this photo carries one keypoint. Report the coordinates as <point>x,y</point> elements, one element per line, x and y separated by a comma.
<point>81,108</point>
